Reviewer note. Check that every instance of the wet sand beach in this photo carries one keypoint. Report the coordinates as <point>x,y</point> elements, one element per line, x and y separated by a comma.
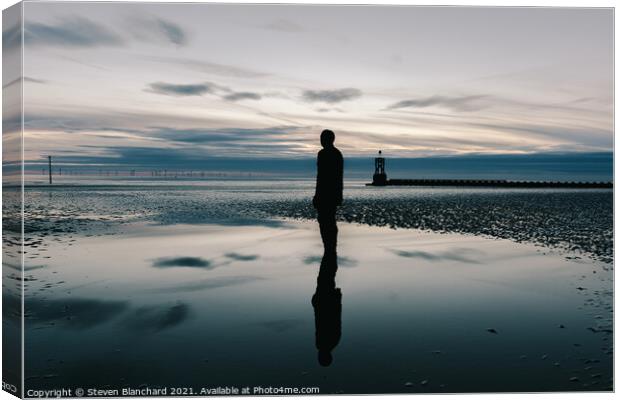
<point>151,287</point>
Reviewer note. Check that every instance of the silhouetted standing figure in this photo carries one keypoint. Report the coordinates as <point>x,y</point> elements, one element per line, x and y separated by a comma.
<point>327,304</point>
<point>327,299</point>
<point>328,193</point>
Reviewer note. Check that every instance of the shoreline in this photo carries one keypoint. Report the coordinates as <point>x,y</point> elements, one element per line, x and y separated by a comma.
<point>579,222</point>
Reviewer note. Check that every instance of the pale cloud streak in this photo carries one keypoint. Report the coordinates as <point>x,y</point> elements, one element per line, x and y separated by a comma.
<point>461,103</point>
<point>208,67</point>
<point>331,96</point>
<point>237,96</point>
<point>170,89</point>
<point>157,30</point>
<point>70,32</point>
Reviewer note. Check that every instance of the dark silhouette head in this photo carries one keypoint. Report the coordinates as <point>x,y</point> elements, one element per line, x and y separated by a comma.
<point>327,138</point>
<point>325,358</point>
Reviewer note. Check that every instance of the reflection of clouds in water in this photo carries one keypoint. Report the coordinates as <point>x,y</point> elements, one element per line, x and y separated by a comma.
<point>81,314</point>
<point>190,262</point>
<point>205,284</point>
<point>268,223</point>
<point>242,257</point>
<point>73,313</point>
<point>222,217</point>
<point>342,261</point>
<point>18,267</point>
<point>157,318</point>
<point>461,255</point>
<point>281,325</point>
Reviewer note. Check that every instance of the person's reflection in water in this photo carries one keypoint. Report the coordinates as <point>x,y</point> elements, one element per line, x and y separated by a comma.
<point>327,299</point>
<point>327,303</point>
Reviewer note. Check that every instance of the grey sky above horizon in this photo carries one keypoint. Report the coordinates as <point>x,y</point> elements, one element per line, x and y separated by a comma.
<point>102,79</point>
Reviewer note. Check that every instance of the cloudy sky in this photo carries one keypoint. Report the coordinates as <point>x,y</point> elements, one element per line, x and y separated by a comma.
<point>190,80</point>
